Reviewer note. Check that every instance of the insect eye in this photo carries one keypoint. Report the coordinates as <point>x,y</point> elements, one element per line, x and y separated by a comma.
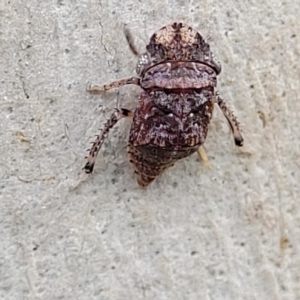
<point>142,63</point>
<point>216,63</point>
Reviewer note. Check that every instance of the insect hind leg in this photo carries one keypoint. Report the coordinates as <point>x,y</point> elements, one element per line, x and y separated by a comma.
<point>202,155</point>
<point>97,144</point>
<point>234,125</point>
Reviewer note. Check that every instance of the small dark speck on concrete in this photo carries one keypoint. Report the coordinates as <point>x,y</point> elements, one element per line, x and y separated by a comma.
<point>194,252</point>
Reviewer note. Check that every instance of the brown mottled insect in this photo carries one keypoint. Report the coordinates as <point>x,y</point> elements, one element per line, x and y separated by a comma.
<point>178,76</point>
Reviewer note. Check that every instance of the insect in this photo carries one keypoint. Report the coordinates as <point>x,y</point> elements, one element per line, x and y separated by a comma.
<point>178,78</point>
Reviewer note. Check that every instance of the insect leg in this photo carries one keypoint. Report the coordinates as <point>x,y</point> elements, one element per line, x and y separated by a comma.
<point>116,84</point>
<point>115,117</point>
<point>202,155</point>
<point>238,139</point>
<point>130,42</point>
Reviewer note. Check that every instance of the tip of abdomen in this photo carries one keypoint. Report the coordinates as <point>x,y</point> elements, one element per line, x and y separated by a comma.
<point>144,180</point>
<point>146,167</point>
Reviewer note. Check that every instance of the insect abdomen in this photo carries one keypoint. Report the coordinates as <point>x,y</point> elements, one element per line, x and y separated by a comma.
<point>150,161</point>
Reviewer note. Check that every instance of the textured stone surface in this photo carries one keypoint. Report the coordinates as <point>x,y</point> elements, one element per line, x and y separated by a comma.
<point>227,233</point>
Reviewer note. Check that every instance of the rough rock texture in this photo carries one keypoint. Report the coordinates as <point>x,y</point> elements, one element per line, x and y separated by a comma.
<point>231,232</point>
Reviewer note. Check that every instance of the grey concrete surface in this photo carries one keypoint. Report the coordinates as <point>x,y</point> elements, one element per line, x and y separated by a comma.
<point>231,232</point>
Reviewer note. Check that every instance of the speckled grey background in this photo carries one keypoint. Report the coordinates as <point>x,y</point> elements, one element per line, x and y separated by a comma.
<point>231,232</point>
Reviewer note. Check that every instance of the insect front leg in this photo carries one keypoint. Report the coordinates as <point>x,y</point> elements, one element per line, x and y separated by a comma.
<point>238,139</point>
<point>130,42</point>
<point>115,117</point>
<point>116,84</point>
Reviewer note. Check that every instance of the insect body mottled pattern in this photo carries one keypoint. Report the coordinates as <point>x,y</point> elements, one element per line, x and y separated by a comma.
<point>178,76</point>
